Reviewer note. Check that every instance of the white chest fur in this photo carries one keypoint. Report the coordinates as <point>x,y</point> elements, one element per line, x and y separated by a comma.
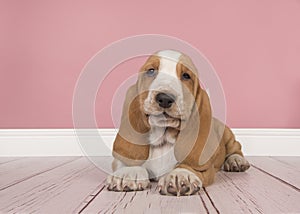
<point>161,155</point>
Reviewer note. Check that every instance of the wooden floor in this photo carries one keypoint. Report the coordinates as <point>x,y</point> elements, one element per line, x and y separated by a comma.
<point>75,185</point>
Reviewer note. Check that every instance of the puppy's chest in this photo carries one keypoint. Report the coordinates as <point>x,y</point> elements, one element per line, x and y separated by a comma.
<point>161,155</point>
<point>161,135</point>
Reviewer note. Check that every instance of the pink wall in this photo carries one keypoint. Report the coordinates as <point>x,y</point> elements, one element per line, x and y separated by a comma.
<point>253,45</point>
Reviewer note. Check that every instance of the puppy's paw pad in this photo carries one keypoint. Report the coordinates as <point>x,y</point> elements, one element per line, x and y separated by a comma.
<point>128,179</point>
<point>236,163</point>
<point>179,182</point>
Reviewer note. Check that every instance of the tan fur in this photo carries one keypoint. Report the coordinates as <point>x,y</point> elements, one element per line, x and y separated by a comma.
<point>130,145</point>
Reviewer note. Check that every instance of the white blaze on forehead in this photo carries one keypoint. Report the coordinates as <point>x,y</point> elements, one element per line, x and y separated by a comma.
<point>168,62</point>
<point>167,73</point>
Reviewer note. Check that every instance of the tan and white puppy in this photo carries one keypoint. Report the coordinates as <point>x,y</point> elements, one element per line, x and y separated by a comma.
<point>168,134</point>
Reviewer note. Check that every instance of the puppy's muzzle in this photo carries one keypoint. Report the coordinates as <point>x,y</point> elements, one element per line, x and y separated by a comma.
<point>165,100</point>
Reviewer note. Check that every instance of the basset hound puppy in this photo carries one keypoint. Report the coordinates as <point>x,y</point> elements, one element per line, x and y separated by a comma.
<point>168,134</point>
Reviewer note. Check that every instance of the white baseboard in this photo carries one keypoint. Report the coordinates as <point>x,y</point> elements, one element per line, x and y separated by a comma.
<point>64,142</point>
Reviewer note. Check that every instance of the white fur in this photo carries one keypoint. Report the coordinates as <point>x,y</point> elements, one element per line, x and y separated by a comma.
<point>181,173</point>
<point>133,177</point>
<point>161,160</point>
<point>167,79</point>
<point>175,178</point>
<point>162,121</point>
<point>161,156</point>
<point>156,136</point>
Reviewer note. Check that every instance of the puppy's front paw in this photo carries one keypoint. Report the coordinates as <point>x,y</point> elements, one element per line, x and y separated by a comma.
<point>236,163</point>
<point>129,179</point>
<point>178,182</point>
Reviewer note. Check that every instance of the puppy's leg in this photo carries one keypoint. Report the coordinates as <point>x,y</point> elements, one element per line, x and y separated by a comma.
<point>128,178</point>
<point>185,181</point>
<point>235,161</point>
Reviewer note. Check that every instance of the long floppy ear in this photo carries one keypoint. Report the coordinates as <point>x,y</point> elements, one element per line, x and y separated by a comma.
<point>130,144</point>
<point>193,139</point>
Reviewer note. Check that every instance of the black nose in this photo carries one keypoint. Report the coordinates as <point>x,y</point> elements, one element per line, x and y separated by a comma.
<point>165,100</point>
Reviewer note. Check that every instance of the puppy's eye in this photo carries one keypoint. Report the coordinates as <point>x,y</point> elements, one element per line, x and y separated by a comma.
<point>186,76</point>
<point>150,72</point>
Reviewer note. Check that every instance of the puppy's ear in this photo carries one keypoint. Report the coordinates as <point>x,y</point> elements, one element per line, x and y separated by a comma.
<point>130,144</point>
<point>203,105</point>
<point>137,118</point>
<point>193,139</point>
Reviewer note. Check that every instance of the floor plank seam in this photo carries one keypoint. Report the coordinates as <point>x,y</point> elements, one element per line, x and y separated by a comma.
<point>283,162</point>
<point>211,201</point>
<point>277,178</point>
<point>11,161</point>
<point>131,199</point>
<point>93,197</point>
<point>119,202</point>
<point>36,174</point>
<point>249,195</point>
<point>204,205</point>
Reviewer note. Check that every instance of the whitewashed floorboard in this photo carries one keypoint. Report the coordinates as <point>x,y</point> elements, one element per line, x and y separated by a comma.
<point>60,190</point>
<point>280,169</point>
<point>8,159</point>
<point>253,192</point>
<point>22,169</point>
<point>148,201</point>
<point>73,185</point>
<point>291,161</point>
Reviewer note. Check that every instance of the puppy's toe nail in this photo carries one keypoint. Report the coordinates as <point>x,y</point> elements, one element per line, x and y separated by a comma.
<point>159,188</point>
<point>170,184</point>
<point>196,187</point>
<point>172,190</point>
<point>234,167</point>
<point>162,192</point>
<point>141,187</point>
<point>114,187</point>
<point>184,190</point>
<point>126,188</point>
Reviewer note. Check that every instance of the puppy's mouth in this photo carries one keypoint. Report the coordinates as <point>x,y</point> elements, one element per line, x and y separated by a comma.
<point>164,115</point>
<point>167,116</point>
<point>163,120</point>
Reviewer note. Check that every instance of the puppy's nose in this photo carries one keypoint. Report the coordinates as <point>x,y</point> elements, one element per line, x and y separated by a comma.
<point>165,100</point>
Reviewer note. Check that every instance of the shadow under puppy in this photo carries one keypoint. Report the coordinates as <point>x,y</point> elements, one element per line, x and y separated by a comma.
<point>168,134</point>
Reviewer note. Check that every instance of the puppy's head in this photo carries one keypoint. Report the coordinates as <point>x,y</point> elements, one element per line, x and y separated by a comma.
<point>168,84</point>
